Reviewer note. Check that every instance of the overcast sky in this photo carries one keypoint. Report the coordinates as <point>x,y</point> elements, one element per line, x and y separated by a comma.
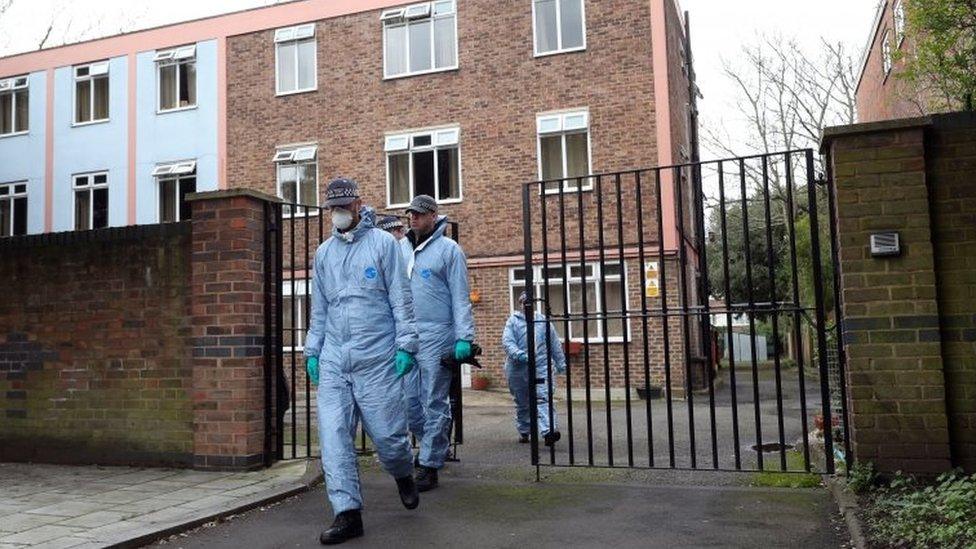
<point>719,28</point>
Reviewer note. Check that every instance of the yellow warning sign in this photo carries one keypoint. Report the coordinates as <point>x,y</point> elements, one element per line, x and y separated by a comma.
<point>653,284</point>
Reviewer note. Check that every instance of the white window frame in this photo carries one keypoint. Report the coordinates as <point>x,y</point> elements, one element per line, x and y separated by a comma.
<point>291,289</point>
<point>297,155</point>
<point>886,52</point>
<point>296,35</point>
<point>594,279</point>
<point>102,68</point>
<point>90,187</point>
<point>898,12</point>
<point>559,32</point>
<point>398,17</point>
<point>445,137</point>
<point>564,123</point>
<point>173,171</point>
<point>13,86</point>
<point>183,55</point>
<point>15,190</point>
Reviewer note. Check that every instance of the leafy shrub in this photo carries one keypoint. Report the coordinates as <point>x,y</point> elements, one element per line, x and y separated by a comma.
<point>907,513</point>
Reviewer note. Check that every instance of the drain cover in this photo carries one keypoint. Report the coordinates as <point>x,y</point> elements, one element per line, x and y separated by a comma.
<point>771,447</point>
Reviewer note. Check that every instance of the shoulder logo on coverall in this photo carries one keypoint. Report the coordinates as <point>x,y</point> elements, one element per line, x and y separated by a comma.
<point>370,273</point>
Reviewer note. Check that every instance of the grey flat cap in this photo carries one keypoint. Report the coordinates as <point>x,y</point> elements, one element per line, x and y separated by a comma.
<point>422,204</point>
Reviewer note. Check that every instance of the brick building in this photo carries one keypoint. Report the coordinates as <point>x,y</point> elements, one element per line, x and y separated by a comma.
<point>470,119</point>
<point>880,94</point>
<point>466,100</point>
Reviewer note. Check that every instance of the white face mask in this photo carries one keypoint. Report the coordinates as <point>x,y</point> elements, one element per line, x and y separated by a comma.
<point>341,219</point>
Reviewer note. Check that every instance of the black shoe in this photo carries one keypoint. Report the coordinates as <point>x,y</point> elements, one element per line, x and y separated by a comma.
<point>408,492</point>
<point>347,525</point>
<point>426,478</point>
<point>523,439</point>
<point>552,438</point>
<point>416,461</point>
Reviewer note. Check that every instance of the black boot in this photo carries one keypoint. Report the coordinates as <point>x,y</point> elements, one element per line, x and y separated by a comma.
<point>426,478</point>
<point>408,492</point>
<point>347,525</point>
<point>523,439</point>
<point>552,438</point>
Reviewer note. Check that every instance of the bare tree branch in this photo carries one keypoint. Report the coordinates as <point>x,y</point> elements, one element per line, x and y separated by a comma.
<point>787,95</point>
<point>47,36</point>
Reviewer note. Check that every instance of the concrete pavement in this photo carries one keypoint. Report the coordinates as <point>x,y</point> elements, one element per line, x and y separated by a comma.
<point>80,507</point>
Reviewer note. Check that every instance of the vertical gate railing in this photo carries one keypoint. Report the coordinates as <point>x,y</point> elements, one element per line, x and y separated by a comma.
<point>293,234</point>
<point>725,250</point>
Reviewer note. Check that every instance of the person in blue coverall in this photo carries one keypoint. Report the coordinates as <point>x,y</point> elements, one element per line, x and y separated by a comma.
<point>438,274</point>
<point>361,342</point>
<point>393,225</point>
<point>514,339</point>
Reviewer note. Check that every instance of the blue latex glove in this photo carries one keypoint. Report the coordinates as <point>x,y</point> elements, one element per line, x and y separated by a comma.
<point>404,363</point>
<point>522,358</point>
<point>462,350</point>
<point>312,368</point>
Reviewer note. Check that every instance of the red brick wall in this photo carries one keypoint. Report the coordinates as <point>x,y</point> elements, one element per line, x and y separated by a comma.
<point>678,84</point>
<point>880,96</point>
<point>94,347</point>
<point>228,329</point>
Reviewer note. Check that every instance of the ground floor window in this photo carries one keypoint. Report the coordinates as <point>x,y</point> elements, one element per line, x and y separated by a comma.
<point>175,182</point>
<point>13,209</point>
<point>583,285</point>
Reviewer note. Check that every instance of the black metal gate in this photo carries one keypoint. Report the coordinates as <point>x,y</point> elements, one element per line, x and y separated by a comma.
<point>293,234</point>
<point>717,305</point>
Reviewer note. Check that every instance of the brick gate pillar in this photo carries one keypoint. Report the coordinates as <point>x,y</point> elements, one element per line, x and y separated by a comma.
<point>228,328</point>
<point>896,384</point>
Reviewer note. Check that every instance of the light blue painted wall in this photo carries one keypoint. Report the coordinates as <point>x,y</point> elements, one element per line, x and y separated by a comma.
<point>89,148</point>
<point>181,135</point>
<point>160,137</point>
<point>22,156</point>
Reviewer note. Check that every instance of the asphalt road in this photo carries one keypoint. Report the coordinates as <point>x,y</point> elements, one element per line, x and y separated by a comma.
<point>489,499</point>
<point>471,513</point>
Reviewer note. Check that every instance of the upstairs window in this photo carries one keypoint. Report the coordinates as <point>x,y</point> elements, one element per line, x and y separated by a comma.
<point>420,38</point>
<point>177,77</point>
<point>560,26</point>
<point>886,52</point>
<point>14,105</point>
<point>297,170</point>
<point>564,150</point>
<point>295,59</point>
<point>91,93</point>
<point>899,11</point>
<point>426,162</point>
